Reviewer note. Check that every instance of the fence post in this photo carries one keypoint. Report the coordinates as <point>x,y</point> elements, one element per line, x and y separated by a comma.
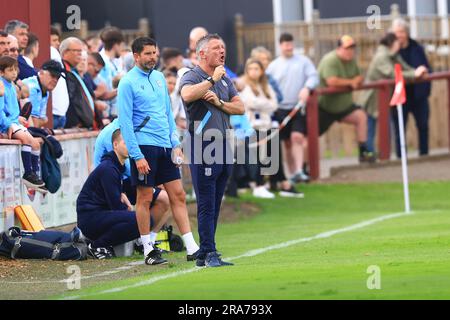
<point>144,27</point>
<point>84,29</point>
<point>312,119</point>
<point>384,141</point>
<point>448,88</point>
<point>239,29</point>
<point>313,27</point>
<point>395,11</point>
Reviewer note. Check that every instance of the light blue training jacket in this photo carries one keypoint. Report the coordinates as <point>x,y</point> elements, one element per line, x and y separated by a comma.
<point>103,145</point>
<point>9,107</point>
<point>38,102</point>
<point>145,112</point>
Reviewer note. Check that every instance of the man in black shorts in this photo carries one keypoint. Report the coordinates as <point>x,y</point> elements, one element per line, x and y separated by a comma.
<point>148,128</point>
<point>338,68</point>
<point>296,77</point>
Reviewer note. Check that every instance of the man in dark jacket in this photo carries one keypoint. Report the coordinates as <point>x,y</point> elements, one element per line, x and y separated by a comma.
<point>104,211</point>
<point>416,95</point>
<point>82,107</point>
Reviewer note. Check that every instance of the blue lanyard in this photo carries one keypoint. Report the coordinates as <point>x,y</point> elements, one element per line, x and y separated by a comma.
<point>85,89</point>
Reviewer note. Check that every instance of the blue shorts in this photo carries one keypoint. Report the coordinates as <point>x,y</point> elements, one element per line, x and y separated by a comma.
<point>162,169</point>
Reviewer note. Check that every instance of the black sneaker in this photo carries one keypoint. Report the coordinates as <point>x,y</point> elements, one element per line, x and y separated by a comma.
<point>100,253</point>
<point>291,193</point>
<point>31,180</point>
<point>212,260</point>
<point>225,264</point>
<point>367,157</point>
<point>154,258</point>
<point>192,257</point>
<point>200,262</point>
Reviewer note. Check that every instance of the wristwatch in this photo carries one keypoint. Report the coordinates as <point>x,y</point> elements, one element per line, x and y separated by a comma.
<point>222,103</point>
<point>210,79</point>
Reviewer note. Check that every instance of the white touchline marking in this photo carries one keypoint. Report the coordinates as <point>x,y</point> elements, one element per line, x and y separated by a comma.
<point>250,253</point>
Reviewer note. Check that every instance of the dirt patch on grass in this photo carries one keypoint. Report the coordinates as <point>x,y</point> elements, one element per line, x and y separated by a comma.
<point>435,168</point>
<point>41,279</point>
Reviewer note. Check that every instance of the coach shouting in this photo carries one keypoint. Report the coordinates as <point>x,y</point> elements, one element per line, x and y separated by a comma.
<point>209,98</point>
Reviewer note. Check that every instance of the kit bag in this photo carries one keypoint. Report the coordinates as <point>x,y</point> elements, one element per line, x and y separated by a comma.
<point>55,245</point>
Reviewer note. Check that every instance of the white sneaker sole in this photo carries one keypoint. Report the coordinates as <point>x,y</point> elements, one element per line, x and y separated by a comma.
<point>28,184</point>
<point>291,195</point>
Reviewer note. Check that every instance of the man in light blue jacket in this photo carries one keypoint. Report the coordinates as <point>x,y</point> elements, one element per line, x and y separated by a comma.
<point>149,130</point>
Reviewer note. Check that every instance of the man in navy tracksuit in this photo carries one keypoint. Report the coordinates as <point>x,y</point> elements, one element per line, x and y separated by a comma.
<point>104,212</point>
<point>416,94</point>
<point>209,98</point>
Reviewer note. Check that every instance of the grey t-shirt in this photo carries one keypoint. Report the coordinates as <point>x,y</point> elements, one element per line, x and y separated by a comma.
<point>202,115</point>
<point>292,75</point>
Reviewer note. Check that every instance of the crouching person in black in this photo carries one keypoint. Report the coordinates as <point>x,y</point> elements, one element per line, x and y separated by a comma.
<point>104,212</point>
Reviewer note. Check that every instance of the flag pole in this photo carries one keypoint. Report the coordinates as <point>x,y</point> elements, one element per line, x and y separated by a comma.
<point>401,128</point>
<point>398,99</point>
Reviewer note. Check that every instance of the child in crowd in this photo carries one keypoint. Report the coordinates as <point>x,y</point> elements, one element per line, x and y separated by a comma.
<point>12,124</point>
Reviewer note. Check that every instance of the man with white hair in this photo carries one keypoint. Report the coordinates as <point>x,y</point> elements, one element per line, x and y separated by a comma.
<point>60,95</point>
<point>81,107</point>
<point>417,94</point>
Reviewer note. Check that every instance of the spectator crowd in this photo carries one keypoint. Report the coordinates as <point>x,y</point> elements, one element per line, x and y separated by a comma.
<point>83,76</point>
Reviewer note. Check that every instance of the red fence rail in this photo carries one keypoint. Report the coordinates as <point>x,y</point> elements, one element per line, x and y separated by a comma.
<point>384,88</point>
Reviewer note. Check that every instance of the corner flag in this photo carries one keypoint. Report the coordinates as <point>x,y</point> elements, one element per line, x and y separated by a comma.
<point>399,91</point>
<point>398,99</point>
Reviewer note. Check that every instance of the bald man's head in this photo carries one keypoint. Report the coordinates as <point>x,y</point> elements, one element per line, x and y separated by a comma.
<point>13,46</point>
<point>196,34</point>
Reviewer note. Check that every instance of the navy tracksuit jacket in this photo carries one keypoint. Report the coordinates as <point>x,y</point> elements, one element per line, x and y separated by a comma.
<point>102,217</point>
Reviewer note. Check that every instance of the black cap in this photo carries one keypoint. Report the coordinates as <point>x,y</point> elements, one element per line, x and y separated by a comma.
<point>55,68</point>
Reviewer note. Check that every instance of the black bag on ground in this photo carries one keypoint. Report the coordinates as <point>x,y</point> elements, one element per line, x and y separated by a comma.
<point>45,244</point>
<point>175,241</point>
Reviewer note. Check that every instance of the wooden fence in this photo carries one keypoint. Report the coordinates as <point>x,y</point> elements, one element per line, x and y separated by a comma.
<point>320,36</point>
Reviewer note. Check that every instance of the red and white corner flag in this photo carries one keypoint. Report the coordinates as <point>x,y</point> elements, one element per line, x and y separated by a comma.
<point>399,96</point>
<point>398,99</point>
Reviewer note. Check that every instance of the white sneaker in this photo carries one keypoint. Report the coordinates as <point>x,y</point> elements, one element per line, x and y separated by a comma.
<point>263,193</point>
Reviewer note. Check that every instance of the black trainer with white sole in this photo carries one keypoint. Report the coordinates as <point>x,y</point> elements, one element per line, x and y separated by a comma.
<point>291,193</point>
<point>32,180</point>
<point>154,258</point>
<point>100,253</point>
<point>192,257</point>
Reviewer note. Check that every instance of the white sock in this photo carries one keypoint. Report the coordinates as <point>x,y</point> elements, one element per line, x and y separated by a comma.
<point>153,236</point>
<point>147,244</point>
<point>189,242</point>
